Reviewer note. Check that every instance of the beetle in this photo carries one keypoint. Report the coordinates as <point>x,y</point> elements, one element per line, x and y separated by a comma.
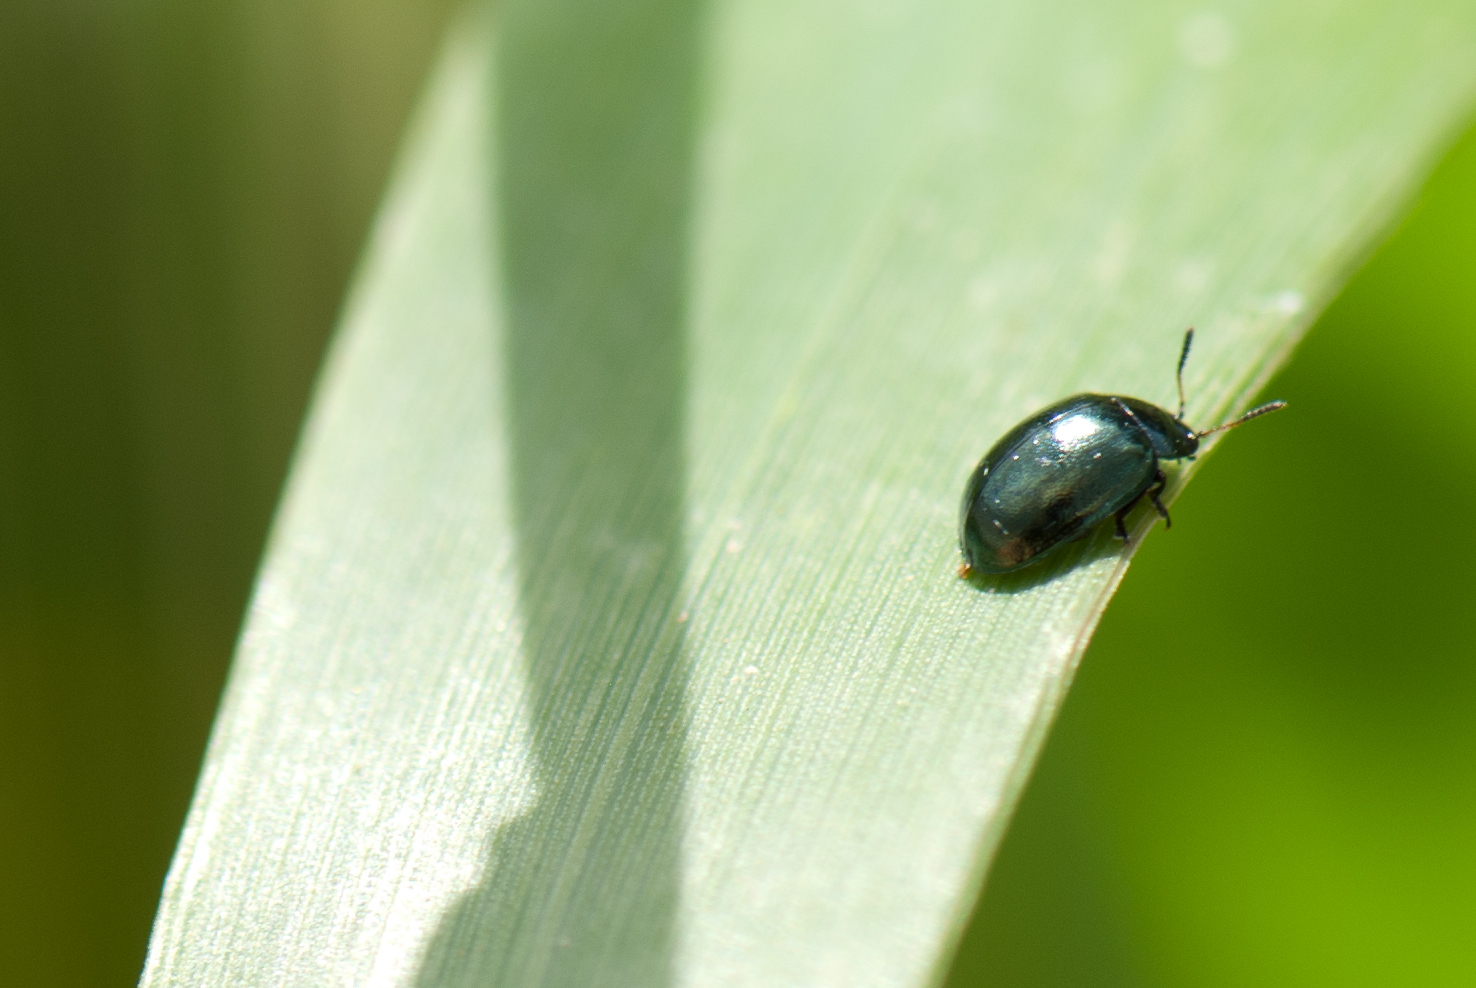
<point>1058,474</point>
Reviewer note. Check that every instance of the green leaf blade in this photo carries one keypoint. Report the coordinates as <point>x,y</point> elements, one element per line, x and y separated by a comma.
<point>610,630</point>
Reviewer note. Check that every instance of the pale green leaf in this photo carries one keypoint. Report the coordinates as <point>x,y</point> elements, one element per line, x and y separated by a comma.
<point>610,632</point>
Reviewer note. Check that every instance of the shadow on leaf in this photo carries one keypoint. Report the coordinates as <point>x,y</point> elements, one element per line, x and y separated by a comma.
<point>595,104</point>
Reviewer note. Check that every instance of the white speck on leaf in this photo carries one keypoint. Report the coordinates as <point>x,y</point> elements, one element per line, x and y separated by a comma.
<point>1207,40</point>
<point>1288,303</point>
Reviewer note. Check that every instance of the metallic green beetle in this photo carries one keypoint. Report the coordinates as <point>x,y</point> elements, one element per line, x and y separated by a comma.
<point>1058,474</point>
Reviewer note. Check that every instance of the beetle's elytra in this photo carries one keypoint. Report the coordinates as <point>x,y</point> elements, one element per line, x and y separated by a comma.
<point>1058,474</point>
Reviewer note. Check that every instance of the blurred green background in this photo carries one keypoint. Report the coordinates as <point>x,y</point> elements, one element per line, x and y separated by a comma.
<point>1264,774</point>
<point>184,189</point>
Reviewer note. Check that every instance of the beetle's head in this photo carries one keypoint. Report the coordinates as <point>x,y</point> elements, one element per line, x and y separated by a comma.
<point>1184,439</point>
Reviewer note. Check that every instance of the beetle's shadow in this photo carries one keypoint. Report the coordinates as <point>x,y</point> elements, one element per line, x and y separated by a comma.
<point>1098,545</point>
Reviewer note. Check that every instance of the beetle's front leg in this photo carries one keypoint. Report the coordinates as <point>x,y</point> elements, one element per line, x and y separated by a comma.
<point>1154,491</point>
<point>1121,517</point>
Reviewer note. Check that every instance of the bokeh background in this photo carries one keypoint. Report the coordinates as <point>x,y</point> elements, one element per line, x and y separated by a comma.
<point>1264,775</point>
<point>184,188</point>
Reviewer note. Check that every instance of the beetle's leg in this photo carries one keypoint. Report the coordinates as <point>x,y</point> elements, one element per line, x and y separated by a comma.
<point>1121,517</point>
<point>1154,491</point>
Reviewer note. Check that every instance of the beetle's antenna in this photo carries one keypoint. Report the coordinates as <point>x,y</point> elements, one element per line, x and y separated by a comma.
<point>1183,359</point>
<point>1266,409</point>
